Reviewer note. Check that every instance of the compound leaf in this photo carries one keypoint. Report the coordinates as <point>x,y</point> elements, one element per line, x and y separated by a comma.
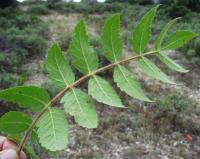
<point>83,55</point>
<point>59,72</point>
<point>14,122</point>
<point>78,104</point>
<point>153,71</point>
<point>103,92</point>
<point>178,39</point>
<point>170,63</point>
<point>161,36</point>
<point>53,130</point>
<point>142,33</point>
<point>128,83</point>
<point>31,97</point>
<point>111,39</point>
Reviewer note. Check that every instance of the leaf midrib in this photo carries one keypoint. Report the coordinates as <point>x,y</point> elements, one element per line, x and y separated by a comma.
<point>127,80</point>
<point>54,133</point>
<point>111,38</point>
<point>79,105</point>
<point>65,81</point>
<point>179,39</point>
<point>101,88</point>
<point>82,51</point>
<point>40,101</point>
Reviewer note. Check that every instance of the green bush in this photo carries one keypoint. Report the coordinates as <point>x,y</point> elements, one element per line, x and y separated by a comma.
<point>51,3</point>
<point>142,2</point>
<point>72,7</point>
<point>22,36</point>
<point>8,3</point>
<point>175,10</point>
<point>173,102</point>
<point>38,9</point>
<point>193,5</point>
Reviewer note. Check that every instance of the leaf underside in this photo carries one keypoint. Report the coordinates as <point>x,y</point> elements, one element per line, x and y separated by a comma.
<point>111,39</point>
<point>128,83</point>
<point>153,71</point>
<point>170,63</point>
<point>83,55</point>
<point>59,72</point>
<point>142,32</point>
<point>78,104</point>
<point>53,130</point>
<point>103,92</point>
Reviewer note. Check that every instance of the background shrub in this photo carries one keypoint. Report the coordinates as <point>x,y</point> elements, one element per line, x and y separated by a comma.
<point>22,36</point>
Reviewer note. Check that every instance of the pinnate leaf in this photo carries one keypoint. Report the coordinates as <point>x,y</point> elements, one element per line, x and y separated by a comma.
<point>53,130</point>
<point>153,71</point>
<point>83,55</point>
<point>111,39</point>
<point>59,72</point>
<point>178,39</point>
<point>14,122</point>
<point>78,104</point>
<point>31,97</point>
<point>128,83</point>
<point>142,33</point>
<point>161,36</point>
<point>170,63</point>
<point>103,92</point>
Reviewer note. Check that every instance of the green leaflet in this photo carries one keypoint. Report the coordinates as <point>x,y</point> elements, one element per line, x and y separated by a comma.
<point>153,71</point>
<point>53,130</point>
<point>160,38</point>
<point>170,63</point>
<point>103,92</point>
<point>31,97</point>
<point>178,39</point>
<point>14,122</point>
<point>83,55</point>
<point>128,83</point>
<point>111,39</point>
<point>78,104</point>
<point>142,33</point>
<point>59,72</point>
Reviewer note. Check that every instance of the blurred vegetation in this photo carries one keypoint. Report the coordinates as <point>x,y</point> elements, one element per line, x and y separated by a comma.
<point>22,36</point>
<point>8,3</point>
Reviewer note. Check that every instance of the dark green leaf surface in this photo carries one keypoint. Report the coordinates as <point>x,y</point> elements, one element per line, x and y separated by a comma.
<point>103,92</point>
<point>142,33</point>
<point>178,39</point>
<point>59,72</point>
<point>53,130</point>
<point>111,39</point>
<point>153,71</point>
<point>78,104</point>
<point>170,63</point>
<point>128,83</point>
<point>31,97</point>
<point>14,122</point>
<point>83,55</point>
